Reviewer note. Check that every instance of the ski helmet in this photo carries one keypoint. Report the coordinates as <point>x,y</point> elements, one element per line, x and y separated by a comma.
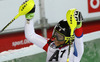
<point>62,31</point>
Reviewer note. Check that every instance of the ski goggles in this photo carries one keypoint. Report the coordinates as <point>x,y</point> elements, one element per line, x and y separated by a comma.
<point>59,36</point>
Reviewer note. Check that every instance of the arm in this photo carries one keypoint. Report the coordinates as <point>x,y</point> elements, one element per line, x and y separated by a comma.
<point>31,35</point>
<point>79,31</point>
<point>78,44</point>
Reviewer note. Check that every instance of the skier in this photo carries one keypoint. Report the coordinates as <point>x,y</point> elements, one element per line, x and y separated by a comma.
<point>60,46</point>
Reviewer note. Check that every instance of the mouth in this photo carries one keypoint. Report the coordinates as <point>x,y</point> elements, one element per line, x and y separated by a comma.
<point>57,43</point>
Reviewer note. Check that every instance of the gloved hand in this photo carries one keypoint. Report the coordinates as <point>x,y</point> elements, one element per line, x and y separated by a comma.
<point>79,18</point>
<point>30,14</point>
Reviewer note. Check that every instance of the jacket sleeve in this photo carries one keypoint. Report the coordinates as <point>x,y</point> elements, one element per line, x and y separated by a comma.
<point>79,32</point>
<point>33,37</point>
<point>78,45</point>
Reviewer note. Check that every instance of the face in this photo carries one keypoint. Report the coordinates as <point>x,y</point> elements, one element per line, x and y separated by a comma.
<point>57,43</point>
<point>58,38</point>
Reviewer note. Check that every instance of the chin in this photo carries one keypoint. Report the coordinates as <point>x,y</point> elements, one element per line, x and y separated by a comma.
<point>57,44</point>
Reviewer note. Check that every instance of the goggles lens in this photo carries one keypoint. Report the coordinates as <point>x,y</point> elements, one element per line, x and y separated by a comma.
<point>58,36</point>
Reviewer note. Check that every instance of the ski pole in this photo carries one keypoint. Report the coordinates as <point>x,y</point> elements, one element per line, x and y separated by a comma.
<point>23,9</point>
